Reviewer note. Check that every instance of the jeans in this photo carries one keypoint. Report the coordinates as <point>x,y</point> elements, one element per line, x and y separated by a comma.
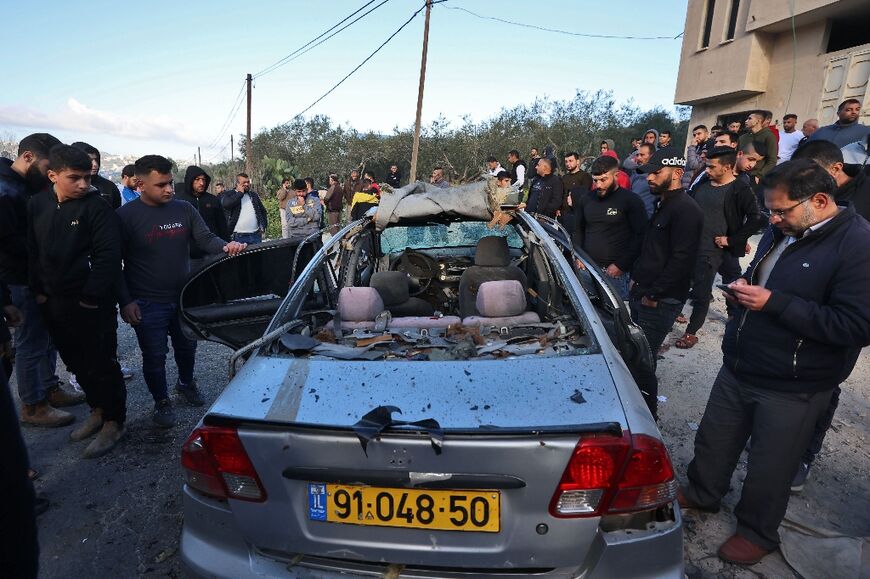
<point>656,323</point>
<point>158,321</point>
<point>621,283</point>
<point>249,238</point>
<point>87,342</point>
<point>780,423</point>
<point>35,356</point>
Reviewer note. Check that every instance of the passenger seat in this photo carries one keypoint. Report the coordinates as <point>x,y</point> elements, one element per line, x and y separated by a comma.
<point>501,303</point>
<point>492,262</point>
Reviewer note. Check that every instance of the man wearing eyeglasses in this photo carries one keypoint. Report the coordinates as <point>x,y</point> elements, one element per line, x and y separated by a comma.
<point>803,317</point>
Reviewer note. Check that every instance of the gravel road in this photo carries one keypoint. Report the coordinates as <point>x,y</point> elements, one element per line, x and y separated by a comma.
<point>120,515</point>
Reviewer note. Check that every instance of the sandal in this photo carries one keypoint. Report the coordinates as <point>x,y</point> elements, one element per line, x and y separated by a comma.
<point>687,341</point>
<point>681,319</point>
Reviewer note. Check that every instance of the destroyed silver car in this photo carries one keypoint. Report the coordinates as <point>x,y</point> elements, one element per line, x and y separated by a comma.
<point>445,391</point>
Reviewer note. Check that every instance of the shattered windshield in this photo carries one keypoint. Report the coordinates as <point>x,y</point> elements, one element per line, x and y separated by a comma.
<point>459,234</point>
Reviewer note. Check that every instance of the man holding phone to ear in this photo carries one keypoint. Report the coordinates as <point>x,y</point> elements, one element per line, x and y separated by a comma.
<point>803,317</point>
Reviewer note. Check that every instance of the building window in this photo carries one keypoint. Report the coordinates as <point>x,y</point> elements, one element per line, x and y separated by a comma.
<point>732,19</point>
<point>708,23</point>
<point>849,32</point>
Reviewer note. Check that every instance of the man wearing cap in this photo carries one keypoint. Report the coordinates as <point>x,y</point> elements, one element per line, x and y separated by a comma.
<point>731,216</point>
<point>662,274</point>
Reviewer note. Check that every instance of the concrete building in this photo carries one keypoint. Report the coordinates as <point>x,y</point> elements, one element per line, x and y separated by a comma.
<point>786,56</point>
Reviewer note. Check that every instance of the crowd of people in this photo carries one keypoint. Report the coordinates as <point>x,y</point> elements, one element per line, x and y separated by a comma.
<point>660,223</point>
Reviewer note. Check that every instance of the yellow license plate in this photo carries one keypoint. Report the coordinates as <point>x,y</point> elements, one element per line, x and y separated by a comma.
<point>450,510</point>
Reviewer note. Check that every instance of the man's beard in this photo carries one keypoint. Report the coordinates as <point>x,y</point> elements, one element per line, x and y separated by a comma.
<point>658,189</point>
<point>35,179</point>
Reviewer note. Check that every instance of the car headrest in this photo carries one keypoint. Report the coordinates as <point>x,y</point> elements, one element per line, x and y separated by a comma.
<point>492,251</point>
<point>500,299</point>
<point>392,285</point>
<point>359,304</point>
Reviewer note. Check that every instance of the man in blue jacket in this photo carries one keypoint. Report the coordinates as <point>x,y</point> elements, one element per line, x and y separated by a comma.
<point>803,317</point>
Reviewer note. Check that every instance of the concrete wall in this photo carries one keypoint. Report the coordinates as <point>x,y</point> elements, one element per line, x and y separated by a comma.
<point>762,69</point>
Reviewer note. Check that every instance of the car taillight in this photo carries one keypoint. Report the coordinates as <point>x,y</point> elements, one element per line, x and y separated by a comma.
<point>614,474</point>
<point>215,463</point>
<point>648,481</point>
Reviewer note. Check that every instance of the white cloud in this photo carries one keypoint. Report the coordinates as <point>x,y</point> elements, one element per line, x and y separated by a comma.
<point>79,117</point>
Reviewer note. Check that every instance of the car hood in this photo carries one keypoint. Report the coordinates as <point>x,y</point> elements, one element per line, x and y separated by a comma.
<point>522,393</point>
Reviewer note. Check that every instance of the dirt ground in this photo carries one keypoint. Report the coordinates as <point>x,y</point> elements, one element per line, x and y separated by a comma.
<point>120,515</point>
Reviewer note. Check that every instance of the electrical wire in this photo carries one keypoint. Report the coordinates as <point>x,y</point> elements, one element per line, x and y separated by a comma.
<point>319,39</point>
<point>360,65</point>
<point>234,110</point>
<point>566,32</point>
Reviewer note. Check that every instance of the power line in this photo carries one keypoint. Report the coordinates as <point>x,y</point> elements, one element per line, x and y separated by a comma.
<point>229,119</point>
<point>313,43</point>
<point>360,65</point>
<point>567,32</point>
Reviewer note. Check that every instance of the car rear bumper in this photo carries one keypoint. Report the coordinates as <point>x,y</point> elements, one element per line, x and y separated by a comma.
<point>211,546</point>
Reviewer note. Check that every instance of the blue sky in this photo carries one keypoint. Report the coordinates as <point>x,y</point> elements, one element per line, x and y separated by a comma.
<point>162,76</point>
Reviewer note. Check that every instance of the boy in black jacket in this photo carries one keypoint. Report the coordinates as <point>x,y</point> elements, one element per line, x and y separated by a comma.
<point>74,248</point>
<point>804,316</point>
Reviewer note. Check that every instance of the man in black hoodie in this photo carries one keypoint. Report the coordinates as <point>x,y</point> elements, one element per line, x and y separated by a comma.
<point>195,192</point>
<point>662,274</point>
<point>803,317</point>
<point>108,190</point>
<point>74,249</point>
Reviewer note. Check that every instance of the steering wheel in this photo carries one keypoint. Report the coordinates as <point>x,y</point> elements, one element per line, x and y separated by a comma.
<point>420,267</point>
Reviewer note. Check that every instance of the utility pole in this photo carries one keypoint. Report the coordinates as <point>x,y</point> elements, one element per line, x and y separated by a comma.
<point>232,150</point>
<point>249,147</point>
<point>199,154</point>
<point>416,148</point>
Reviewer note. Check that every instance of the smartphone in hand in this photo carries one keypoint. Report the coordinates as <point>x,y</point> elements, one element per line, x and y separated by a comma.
<point>725,289</point>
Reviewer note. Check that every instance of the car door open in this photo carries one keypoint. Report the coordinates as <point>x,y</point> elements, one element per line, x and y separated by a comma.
<point>232,300</point>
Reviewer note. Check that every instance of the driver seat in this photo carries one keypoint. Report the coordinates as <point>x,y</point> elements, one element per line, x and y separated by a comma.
<point>492,262</point>
<point>393,287</point>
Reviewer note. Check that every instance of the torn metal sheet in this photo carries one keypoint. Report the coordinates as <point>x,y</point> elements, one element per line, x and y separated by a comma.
<point>381,418</point>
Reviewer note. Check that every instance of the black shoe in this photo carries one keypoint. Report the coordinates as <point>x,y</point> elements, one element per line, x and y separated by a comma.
<point>189,393</point>
<point>800,479</point>
<point>164,415</point>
